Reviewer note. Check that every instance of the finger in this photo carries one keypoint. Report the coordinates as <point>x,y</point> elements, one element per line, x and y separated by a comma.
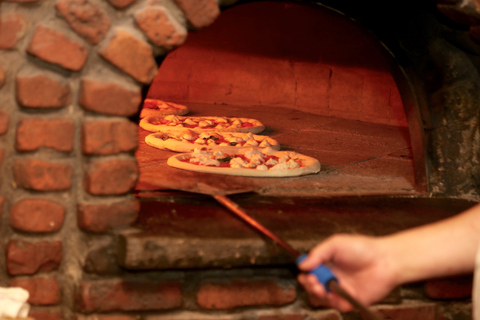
<point>339,303</point>
<point>320,254</point>
<point>312,286</point>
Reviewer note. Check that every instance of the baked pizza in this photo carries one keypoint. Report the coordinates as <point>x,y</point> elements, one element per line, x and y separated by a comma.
<point>156,107</point>
<point>250,162</point>
<point>173,123</point>
<point>187,140</point>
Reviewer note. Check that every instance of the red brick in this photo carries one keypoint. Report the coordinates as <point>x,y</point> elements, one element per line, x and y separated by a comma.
<point>109,137</point>
<point>2,77</point>
<point>411,311</point>
<point>50,133</point>
<point>109,98</point>
<point>200,13</point>
<point>85,17</point>
<point>41,175</point>
<point>242,293</point>
<point>43,291</point>
<point>116,295</point>
<point>106,317</point>
<point>106,217</point>
<point>39,313</point>
<point>282,317</point>
<point>160,27</point>
<point>37,215</point>
<point>120,4</point>
<point>131,55</point>
<point>102,261</point>
<point>42,90</point>
<point>4,121</point>
<point>111,177</point>
<point>25,258</point>
<point>55,47</point>
<point>451,288</point>
<point>13,29</point>
<point>326,315</point>
<point>2,200</point>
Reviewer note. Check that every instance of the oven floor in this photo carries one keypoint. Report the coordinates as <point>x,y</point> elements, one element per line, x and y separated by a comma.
<point>357,158</point>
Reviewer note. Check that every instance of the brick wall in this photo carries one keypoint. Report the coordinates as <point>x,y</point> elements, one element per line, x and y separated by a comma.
<point>71,75</point>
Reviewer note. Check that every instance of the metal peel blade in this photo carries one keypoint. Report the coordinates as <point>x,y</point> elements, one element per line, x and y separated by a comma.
<point>330,283</point>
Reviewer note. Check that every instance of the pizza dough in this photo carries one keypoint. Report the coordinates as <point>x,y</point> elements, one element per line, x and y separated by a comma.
<point>174,123</point>
<point>250,162</point>
<point>188,140</point>
<point>156,107</point>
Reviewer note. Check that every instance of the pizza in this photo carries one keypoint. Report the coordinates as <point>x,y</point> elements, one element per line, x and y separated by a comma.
<point>250,162</point>
<point>173,123</point>
<point>156,107</point>
<point>187,140</point>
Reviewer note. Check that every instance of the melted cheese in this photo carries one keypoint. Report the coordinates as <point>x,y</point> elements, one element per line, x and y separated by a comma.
<point>205,123</point>
<point>271,162</point>
<point>265,143</point>
<point>252,152</point>
<point>251,142</point>
<point>280,166</point>
<point>292,164</point>
<point>189,121</point>
<point>238,163</point>
<point>219,154</point>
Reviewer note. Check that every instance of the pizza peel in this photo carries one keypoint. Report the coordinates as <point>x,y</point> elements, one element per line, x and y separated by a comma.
<point>324,275</point>
<point>219,187</point>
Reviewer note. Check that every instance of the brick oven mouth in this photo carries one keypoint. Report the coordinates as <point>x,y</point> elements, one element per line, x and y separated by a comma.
<point>307,101</point>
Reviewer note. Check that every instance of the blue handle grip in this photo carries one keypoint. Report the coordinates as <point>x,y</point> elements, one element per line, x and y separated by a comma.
<point>322,272</point>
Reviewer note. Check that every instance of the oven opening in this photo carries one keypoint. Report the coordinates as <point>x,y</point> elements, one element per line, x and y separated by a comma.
<point>321,84</point>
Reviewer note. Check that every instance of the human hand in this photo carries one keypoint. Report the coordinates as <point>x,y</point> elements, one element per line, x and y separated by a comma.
<point>361,264</point>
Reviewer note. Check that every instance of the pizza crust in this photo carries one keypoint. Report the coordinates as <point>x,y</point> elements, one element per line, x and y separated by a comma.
<point>177,141</point>
<point>150,124</point>
<point>309,165</point>
<point>162,108</point>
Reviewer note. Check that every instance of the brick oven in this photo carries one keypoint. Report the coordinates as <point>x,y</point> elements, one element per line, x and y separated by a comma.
<point>90,230</point>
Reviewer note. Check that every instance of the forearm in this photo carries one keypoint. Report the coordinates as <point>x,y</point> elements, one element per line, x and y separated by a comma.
<point>440,249</point>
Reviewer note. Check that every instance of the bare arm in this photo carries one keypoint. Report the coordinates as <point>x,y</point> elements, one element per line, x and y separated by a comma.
<point>369,268</point>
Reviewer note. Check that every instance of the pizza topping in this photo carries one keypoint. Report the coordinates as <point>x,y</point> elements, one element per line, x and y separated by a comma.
<point>238,162</point>
<point>262,167</point>
<point>252,158</point>
<point>172,118</point>
<point>189,135</point>
<point>225,160</point>
<point>189,121</point>
<point>251,142</point>
<point>200,141</point>
<point>264,144</point>
<point>271,162</point>
<point>290,164</point>
<point>234,139</point>
<point>205,123</point>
